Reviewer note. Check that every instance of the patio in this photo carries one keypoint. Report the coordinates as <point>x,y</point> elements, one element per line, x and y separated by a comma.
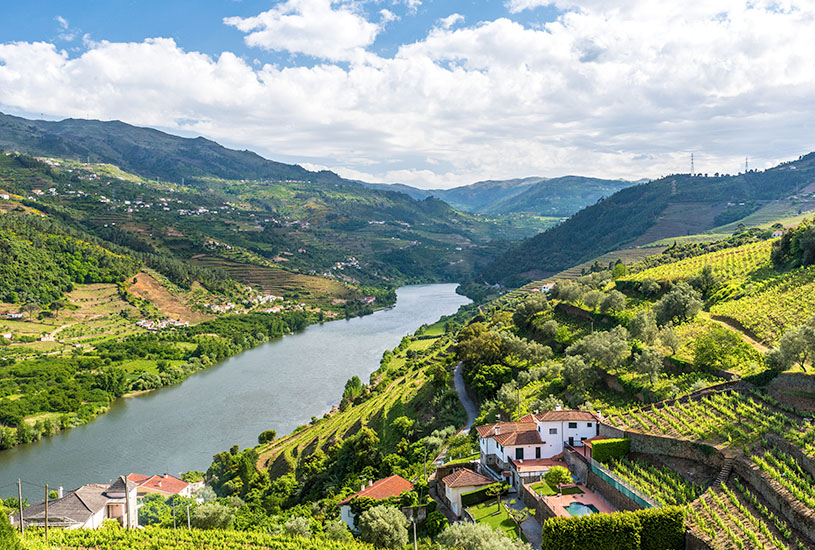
<point>558,503</point>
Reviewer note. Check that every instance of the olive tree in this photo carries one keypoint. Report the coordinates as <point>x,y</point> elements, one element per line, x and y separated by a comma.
<point>473,536</point>
<point>384,527</point>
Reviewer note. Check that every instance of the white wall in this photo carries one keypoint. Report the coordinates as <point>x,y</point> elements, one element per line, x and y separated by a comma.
<point>348,517</point>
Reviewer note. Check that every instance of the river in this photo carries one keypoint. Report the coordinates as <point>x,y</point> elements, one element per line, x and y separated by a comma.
<point>276,386</point>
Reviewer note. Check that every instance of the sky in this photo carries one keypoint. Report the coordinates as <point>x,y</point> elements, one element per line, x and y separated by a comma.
<point>433,93</point>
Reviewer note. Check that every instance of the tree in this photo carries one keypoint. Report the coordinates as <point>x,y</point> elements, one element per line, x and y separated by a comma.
<point>267,436</point>
<point>592,298</point>
<point>557,476</point>
<point>644,326</point>
<point>649,287</point>
<point>57,305</point>
<point>496,490</point>
<point>403,427</point>
<point>605,348</point>
<point>706,281</point>
<point>649,362</point>
<point>297,526</point>
<point>473,536</point>
<point>534,304</point>
<point>797,345</point>
<point>435,523</point>
<point>508,397</point>
<point>384,527</point>
<point>337,530</point>
<point>212,515</point>
<point>679,305</point>
<point>614,301</point>
<point>578,374</point>
<point>670,339</point>
<point>30,308</point>
<point>8,538</point>
<point>154,510</point>
<point>518,516</point>
<point>722,349</point>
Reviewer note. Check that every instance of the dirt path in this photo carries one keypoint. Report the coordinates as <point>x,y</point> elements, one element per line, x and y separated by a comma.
<point>732,325</point>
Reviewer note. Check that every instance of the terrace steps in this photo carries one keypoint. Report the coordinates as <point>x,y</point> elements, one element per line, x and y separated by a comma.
<point>727,467</point>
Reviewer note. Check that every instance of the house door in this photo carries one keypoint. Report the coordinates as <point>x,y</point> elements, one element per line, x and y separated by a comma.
<point>571,441</point>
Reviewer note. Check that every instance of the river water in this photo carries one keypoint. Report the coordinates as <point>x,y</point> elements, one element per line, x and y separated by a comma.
<point>277,386</point>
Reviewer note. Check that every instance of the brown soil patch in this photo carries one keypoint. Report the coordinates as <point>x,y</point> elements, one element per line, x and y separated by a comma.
<point>148,288</point>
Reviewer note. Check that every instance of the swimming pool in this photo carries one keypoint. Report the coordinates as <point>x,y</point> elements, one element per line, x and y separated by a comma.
<point>580,509</point>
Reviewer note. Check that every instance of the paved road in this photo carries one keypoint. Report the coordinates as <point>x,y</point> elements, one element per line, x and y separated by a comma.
<point>463,396</point>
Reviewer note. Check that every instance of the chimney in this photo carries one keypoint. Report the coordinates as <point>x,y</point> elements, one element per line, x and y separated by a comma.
<point>59,491</point>
<point>558,408</point>
<point>496,429</point>
<point>362,487</point>
<point>536,411</point>
<point>370,483</point>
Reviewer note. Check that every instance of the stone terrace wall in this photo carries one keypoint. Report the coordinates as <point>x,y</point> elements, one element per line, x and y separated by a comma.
<point>695,542</point>
<point>577,464</point>
<point>534,502</point>
<point>612,495</point>
<point>778,498</point>
<point>805,461</point>
<point>668,446</point>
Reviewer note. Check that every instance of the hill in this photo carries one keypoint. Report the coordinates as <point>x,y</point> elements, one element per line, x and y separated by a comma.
<point>555,197</point>
<point>144,151</point>
<point>669,207</point>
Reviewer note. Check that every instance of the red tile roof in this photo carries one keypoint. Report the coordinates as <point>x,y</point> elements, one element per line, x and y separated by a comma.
<point>384,488</point>
<point>527,418</point>
<point>466,478</point>
<point>560,416</point>
<point>164,483</point>
<point>506,428</point>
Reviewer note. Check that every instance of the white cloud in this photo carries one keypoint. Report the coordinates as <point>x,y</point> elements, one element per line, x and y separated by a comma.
<point>451,20</point>
<point>627,91</point>
<point>411,5</point>
<point>66,33</point>
<point>319,28</point>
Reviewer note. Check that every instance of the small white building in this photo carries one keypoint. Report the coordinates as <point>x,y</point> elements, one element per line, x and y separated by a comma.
<point>460,482</point>
<point>392,486</point>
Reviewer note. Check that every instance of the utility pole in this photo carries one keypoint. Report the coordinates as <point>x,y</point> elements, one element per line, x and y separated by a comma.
<point>692,169</point>
<point>127,503</point>
<point>188,518</point>
<point>174,526</point>
<point>415,544</point>
<point>46,513</point>
<point>20,502</point>
<point>519,403</point>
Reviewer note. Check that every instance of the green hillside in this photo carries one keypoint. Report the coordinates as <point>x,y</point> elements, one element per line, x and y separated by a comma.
<point>672,206</point>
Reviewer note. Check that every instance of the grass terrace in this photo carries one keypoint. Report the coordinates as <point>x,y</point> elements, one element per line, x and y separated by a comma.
<point>489,513</point>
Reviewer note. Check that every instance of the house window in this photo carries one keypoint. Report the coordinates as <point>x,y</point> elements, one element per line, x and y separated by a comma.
<point>588,424</point>
<point>519,453</point>
<point>537,452</point>
<point>572,425</point>
<point>553,431</point>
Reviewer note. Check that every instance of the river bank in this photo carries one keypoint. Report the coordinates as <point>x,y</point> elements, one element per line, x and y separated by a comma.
<point>278,385</point>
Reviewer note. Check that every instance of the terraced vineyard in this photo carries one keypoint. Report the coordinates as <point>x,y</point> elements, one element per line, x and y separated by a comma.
<point>662,484</point>
<point>393,401</point>
<point>785,301</point>
<point>731,263</point>
<point>721,418</point>
<point>732,517</point>
<point>785,470</point>
<point>171,539</point>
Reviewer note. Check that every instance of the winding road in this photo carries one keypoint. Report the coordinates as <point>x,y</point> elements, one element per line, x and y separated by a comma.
<point>464,397</point>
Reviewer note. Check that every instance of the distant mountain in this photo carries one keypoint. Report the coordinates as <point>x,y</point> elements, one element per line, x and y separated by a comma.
<point>558,197</point>
<point>144,151</point>
<point>669,207</point>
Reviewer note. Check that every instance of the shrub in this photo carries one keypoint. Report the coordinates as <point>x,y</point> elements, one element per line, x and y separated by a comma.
<point>384,527</point>
<point>472,536</point>
<point>603,450</point>
<point>298,527</point>
<point>480,495</point>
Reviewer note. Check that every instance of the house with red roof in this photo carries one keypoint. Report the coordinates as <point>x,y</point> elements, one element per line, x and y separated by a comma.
<point>534,437</point>
<point>165,485</point>
<point>392,486</point>
<point>460,482</point>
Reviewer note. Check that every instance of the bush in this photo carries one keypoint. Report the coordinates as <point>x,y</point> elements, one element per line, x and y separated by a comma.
<point>653,529</point>
<point>337,530</point>
<point>472,536</point>
<point>298,527</point>
<point>384,527</point>
<point>8,538</point>
<point>603,450</point>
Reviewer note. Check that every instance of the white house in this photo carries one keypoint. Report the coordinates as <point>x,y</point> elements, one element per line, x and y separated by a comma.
<point>392,486</point>
<point>460,482</point>
<point>87,507</point>
<point>533,437</point>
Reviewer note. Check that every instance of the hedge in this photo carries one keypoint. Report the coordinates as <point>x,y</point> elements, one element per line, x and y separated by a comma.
<point>480,495</point>
<point>652,529</point>
<point>662,528</point>
<point>604,449</point>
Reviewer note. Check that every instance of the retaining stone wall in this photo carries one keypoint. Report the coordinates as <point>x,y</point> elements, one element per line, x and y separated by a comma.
<point>663,445</point>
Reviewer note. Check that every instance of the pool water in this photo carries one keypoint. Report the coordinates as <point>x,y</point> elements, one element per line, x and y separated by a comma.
<point>580,509</point>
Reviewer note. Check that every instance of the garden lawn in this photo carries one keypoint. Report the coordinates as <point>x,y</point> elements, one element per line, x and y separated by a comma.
<point>484,513</point>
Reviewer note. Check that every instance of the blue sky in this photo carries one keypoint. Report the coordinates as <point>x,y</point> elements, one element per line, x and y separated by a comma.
<point>433,93</point>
